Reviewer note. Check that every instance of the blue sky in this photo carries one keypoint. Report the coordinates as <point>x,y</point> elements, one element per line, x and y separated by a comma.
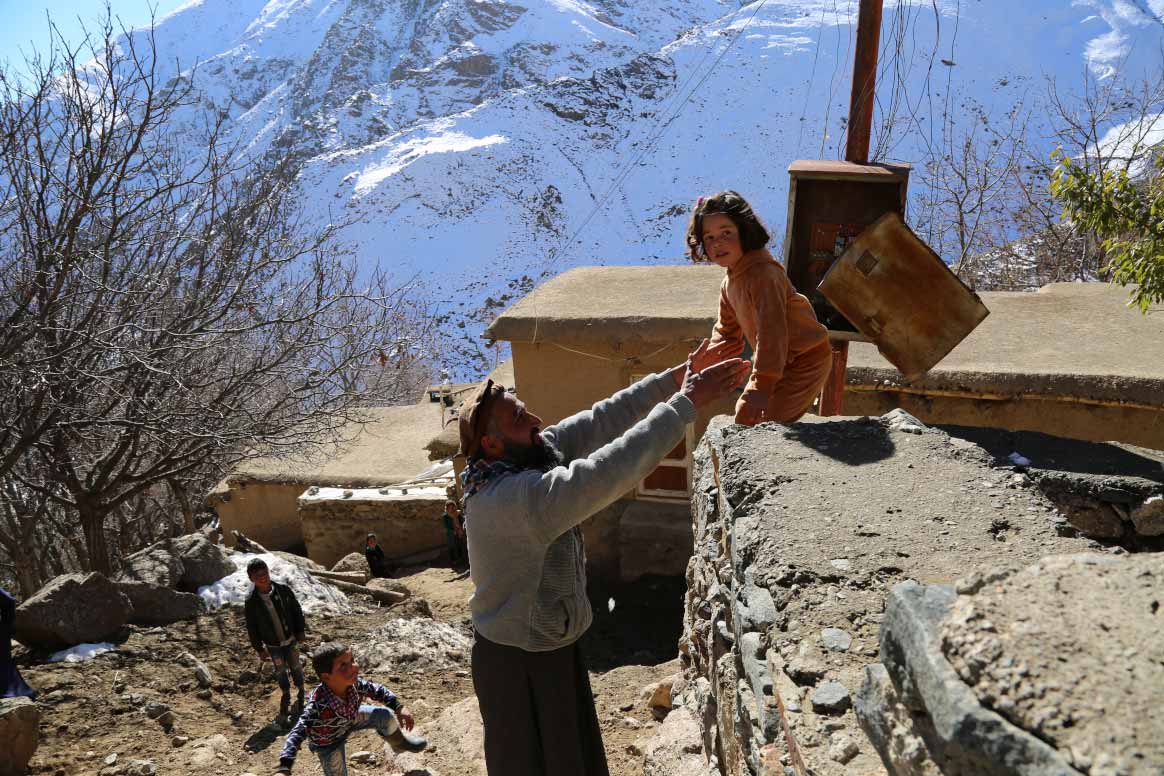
<point>24,27</point>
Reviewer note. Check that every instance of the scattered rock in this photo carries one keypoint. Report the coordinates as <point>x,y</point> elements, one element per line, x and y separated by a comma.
<point>154,604</point>
<point>676,747</point>
<point>1148,518</point>
<point>20,732</point>
<point>830,698</point>
<point>364,758</point>
<point>836,640</point>
<point>804,670</point>
<point>155,565</point>
<point>203,563</point>
<point>900,420</point>
<point>627,706</point>
<point>842,748</point>
<point>72,609</point>
<point>155,709</point>
<point>178,741</point>
<point>354,561</point>
<point>658,696</point>
<point>412,764</point>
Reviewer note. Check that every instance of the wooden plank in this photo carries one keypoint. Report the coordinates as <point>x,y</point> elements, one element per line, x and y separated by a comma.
<point>825,169</point>
<point>900,294</point>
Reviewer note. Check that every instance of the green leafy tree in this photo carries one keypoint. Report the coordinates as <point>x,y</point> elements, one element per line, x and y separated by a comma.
<point>1126,213</point>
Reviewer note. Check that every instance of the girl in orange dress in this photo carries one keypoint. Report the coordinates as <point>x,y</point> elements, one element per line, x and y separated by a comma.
<point>791,354</point>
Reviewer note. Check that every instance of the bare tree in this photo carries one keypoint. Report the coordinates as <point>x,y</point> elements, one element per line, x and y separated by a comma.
<point>168,312</point>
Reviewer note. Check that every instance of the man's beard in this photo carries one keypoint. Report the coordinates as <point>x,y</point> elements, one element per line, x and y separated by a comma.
<point>540,454</point>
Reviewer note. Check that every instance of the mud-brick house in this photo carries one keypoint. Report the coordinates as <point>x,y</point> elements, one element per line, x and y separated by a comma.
<point>1071,360</point>
<point>261,497</point>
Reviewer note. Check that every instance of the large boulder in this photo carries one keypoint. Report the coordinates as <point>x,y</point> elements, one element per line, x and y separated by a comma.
<point>157,605</point>
<point>204,563</point>
<point>72,609</point>
<point>156,565</point>
<point>1036,672</point>
<point>19,730</point>
<point>354,561</point>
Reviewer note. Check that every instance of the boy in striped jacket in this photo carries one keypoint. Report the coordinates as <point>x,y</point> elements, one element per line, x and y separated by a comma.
<point>334,710</point>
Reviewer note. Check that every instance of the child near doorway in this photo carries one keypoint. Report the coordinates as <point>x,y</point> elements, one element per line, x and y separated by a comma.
<point>757,303</point>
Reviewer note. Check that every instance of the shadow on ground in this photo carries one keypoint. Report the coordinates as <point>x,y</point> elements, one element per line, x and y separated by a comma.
<point>644,627</point>
<point>1074,456</point>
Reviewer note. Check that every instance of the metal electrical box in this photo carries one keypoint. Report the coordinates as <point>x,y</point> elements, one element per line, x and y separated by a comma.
<point>902,296</point>
<point>829,204</point>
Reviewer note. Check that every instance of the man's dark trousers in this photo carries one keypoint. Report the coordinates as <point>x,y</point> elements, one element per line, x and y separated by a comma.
<point>538,711</point>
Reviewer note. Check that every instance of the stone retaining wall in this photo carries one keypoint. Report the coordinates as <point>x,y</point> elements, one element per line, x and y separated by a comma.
<point>800,535</point>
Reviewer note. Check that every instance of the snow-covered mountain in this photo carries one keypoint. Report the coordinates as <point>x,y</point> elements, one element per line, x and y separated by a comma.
<point>479,141</point>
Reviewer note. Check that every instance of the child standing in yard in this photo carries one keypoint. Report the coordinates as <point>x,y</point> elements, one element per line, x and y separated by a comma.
<point>276,628</point>
<point>791,354</point>
<point>334,710</point>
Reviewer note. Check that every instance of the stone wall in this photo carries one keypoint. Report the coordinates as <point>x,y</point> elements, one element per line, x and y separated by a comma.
<point>336,521</point>
<point>800,535</point>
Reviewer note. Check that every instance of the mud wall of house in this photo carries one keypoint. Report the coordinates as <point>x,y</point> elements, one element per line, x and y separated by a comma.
<point>266,512</point>
<point>555,383</point>
<point>333,528</point>
<point>1090,422</point>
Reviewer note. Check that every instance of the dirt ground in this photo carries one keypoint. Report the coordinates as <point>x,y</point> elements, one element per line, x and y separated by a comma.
<point>94,710</point>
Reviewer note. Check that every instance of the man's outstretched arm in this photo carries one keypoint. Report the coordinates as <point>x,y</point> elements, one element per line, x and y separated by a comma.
<point>584,432</point>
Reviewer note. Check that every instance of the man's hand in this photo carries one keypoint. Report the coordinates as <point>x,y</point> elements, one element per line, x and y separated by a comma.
<point>264,654</point>
<point>405,717</point>
<point>706,355</point>
<point>704,386</point>
<point>750,408</point>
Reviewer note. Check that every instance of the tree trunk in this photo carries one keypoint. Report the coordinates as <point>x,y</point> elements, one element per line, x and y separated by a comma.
<point>93,524</point>
<point>179,495</point>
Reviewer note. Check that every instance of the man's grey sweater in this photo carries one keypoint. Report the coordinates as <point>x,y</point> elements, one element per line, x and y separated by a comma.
<point>525,548</point>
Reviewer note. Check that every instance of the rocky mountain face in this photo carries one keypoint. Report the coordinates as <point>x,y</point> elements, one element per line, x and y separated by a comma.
<point>471,143</point>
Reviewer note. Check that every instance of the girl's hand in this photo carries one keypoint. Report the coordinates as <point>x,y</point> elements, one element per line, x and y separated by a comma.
<point>750,408</point>
<point>707,355</point>
<point>405,717</point>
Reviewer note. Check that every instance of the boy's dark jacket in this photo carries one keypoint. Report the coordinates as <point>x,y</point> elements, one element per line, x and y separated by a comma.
<point>259,626</point>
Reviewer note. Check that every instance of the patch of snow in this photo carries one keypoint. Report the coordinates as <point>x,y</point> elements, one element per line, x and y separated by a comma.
<point>407,645</point>
<point>80,653</point>
<point>1018,459</point>
<point>314,596</point>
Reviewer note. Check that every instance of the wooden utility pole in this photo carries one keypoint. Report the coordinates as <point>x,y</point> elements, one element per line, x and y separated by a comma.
<point>856,150</point>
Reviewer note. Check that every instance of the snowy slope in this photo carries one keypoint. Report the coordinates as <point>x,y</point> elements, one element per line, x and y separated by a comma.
<point>476,141</point>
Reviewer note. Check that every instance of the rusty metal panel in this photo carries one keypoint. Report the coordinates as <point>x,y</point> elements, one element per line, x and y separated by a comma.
<point>829,204</point>
<point>901,295</point>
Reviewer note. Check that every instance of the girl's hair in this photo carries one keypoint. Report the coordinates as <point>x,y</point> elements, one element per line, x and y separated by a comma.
<point>753,235</point>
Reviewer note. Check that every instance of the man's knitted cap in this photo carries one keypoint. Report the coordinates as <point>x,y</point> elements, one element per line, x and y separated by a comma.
<point>474,419</point>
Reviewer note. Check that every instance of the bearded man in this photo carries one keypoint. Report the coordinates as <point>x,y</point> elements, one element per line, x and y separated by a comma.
<point>527,490</point>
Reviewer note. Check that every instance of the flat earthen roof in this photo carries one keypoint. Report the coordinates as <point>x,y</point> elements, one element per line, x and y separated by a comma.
<point>389,448</point>
<point>1068,339</point>
<point>615,304</point>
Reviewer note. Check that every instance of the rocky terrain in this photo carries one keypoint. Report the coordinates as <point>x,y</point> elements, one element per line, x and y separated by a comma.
<point>190,697</point>
<point>805,533</point>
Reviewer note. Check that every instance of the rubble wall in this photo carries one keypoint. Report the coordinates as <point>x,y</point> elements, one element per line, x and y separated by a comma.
<point>801,533</point>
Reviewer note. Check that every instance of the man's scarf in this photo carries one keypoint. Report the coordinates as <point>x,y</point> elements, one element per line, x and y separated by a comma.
<point>478,471</point>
